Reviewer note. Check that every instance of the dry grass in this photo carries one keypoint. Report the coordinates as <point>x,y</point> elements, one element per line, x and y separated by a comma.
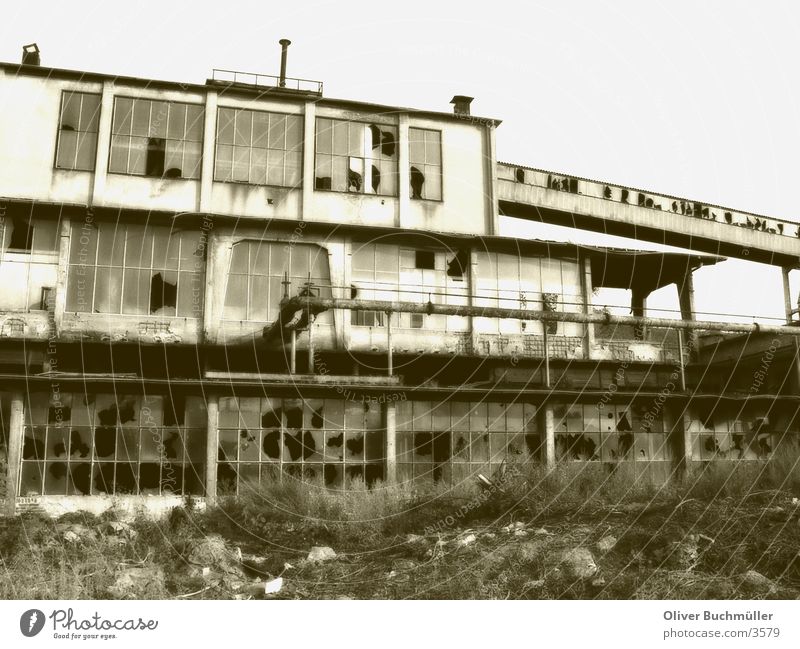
<point>745,508</point>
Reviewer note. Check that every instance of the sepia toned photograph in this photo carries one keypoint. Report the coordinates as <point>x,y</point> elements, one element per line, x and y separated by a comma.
<point>351,301</point>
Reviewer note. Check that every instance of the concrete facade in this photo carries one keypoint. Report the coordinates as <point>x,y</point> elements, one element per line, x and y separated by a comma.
<point>152,233</point>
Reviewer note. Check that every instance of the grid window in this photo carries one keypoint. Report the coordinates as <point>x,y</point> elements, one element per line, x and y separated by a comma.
<point>375,276</point>
<point>331,441</point>
<point>259,148</point>
<point>77,131</point>
<point>611,433</point>
<point>425,158</point>
<point>96,444</point>
<point>156,138</point>
<point>131,269</point>
<point>28,261</point>
<point>536,283</point>
<point>356,157</point>
<point>257,273</point>
<point>453,442</point>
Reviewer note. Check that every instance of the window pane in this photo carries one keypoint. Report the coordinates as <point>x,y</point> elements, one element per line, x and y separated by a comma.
<point>240,260</point>
<point>108,291</point>
<point>111,245</point>
<point>177,121</point>
<point>241,164</point>
<point>123,109</point>
<point>244,128</point>
<point>192,153</point>
<point>324,136</point>
<point>137,162</point>
<point>340,138</point>
<point>159,114</point>
<point>259,287</point>
<point>260,129</point>
<point>432,148</point>
<point>90,113</point>
<point>80,287</point>
<point>195,121</point>
<point>70,111</point>
<point>294,169</point>
<point>141,117</point>
<point>225,126</point>
<point>236,298</point>
<point>173,160</point>
<point>258,166</point>
<point>275,167</point>
<point>136,292</point>
<point>120,147</point>
<point>294,132</point>
<point>224,163</point>
<point>87,146</point>
<point>67,146</point>
<point>277,131</point>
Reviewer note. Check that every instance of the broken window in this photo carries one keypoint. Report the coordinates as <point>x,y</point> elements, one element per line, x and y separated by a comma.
<point>135,270</point>
<point>458,265</point>
<point>259,148</point>
<point>452,442</point>
<point>156,138</point>
<point>329,440</point>
<point>28,261</point>
<point>98,444</point>
<point>257,273</point>
<point>425,158</point>
<point>356,157</point>
<point>610,433</point>
<point>375,277</point>
<point>76,147</point>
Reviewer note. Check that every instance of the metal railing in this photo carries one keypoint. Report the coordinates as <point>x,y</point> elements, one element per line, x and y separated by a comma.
<point>545,179</point>
<point>266,81</point>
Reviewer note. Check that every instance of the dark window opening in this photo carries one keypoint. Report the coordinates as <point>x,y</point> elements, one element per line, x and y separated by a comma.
<point>163,294</point>
<point>425,260</point>
<point>21,234</point>
<point>156,153</point>
<point>519,175</point>
<point>458,265</point>
<point>417,181</point>
<point>322,182</point>
<point>376,178</point>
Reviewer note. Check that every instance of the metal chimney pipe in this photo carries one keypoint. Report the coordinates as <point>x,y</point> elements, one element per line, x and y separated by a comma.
<point>285,43</point>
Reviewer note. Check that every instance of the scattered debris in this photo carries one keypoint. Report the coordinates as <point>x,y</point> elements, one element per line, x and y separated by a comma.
<point>514,527</point>
<point>320,553</point>
<point>578,563</point>
<point>598,582</point>
<point>137,582</point>
<point>606,544</point>
<point>463,541</point>
<point>758,581</point>
<point>273,586</point>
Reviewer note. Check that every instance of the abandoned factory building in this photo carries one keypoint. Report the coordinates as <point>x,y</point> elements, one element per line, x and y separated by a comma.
<point>204,286</point>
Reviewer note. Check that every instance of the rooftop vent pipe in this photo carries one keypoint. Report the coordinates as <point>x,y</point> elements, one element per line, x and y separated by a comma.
<point>285,43</point>
<point>30,54</point>
<point>461,104</point>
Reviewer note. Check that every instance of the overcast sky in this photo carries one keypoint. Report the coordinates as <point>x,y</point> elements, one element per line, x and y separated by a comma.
<point>688,98</point>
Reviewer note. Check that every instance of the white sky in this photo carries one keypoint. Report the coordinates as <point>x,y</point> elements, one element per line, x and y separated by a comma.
<point>697,99</point>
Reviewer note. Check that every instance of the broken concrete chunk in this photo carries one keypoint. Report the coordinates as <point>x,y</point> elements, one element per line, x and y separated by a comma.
<point>138,583</point>
<point>416,541</point>
<point>578,563</point>
<point>606,544</point>
<point>598,582</point>
<point>514,527</point>
<point>71,537</point>
<point>320,553</point>
<point>542,532</point>
<point>464,541</point>
<point>758,581</point>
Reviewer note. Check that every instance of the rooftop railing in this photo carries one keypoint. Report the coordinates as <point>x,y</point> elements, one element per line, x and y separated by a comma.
<point>266,81</point>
